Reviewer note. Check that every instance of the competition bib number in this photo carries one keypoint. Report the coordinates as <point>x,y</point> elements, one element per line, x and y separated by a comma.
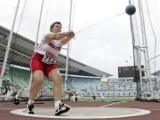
<point>48,60</point>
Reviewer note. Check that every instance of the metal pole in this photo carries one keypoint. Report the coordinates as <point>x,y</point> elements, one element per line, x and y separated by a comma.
<point>135,49</point>
<point>146,54</point>
<point>8,46</point>
<point>68,46</point>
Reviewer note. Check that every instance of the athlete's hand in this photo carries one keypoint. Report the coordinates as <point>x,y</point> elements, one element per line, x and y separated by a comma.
<point>71,34</point>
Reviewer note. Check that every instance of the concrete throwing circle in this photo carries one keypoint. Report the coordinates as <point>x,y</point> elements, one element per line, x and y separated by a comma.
<point>84,112</point>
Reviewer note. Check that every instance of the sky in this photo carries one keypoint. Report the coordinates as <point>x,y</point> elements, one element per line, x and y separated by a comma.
<point>105,46</point>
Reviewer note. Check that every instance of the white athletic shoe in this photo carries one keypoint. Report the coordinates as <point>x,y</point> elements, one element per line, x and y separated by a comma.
<point>62,108</point>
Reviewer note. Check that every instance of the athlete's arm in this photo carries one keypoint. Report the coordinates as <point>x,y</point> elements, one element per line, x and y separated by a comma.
<point>66,39</point>
<point>58,36</point>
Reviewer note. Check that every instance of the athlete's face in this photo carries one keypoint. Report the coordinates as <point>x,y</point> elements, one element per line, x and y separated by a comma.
<point>57,28</point>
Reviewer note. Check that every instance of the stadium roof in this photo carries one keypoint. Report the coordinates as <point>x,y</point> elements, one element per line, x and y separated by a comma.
<point>22,48</point>
<point>156,73</point>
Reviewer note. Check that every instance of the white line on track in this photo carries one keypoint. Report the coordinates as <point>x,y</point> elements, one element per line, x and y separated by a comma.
<point>111,104</point>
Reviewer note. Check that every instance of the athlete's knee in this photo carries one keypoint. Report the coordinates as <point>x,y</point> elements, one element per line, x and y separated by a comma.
<point>57,80</point>
<point>38,77</point>
<point>38,80</point>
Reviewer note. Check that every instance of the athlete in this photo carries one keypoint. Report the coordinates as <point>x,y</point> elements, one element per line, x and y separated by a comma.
<point>43,63</point>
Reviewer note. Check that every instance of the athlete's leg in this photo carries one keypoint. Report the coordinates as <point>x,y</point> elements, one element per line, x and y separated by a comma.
<point>56,77</point>
<point>37,82</point>
<point>37,68</point>
<point>37,77</point>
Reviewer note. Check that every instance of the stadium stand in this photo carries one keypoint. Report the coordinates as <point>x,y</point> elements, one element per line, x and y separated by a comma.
<point>84,86</point>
